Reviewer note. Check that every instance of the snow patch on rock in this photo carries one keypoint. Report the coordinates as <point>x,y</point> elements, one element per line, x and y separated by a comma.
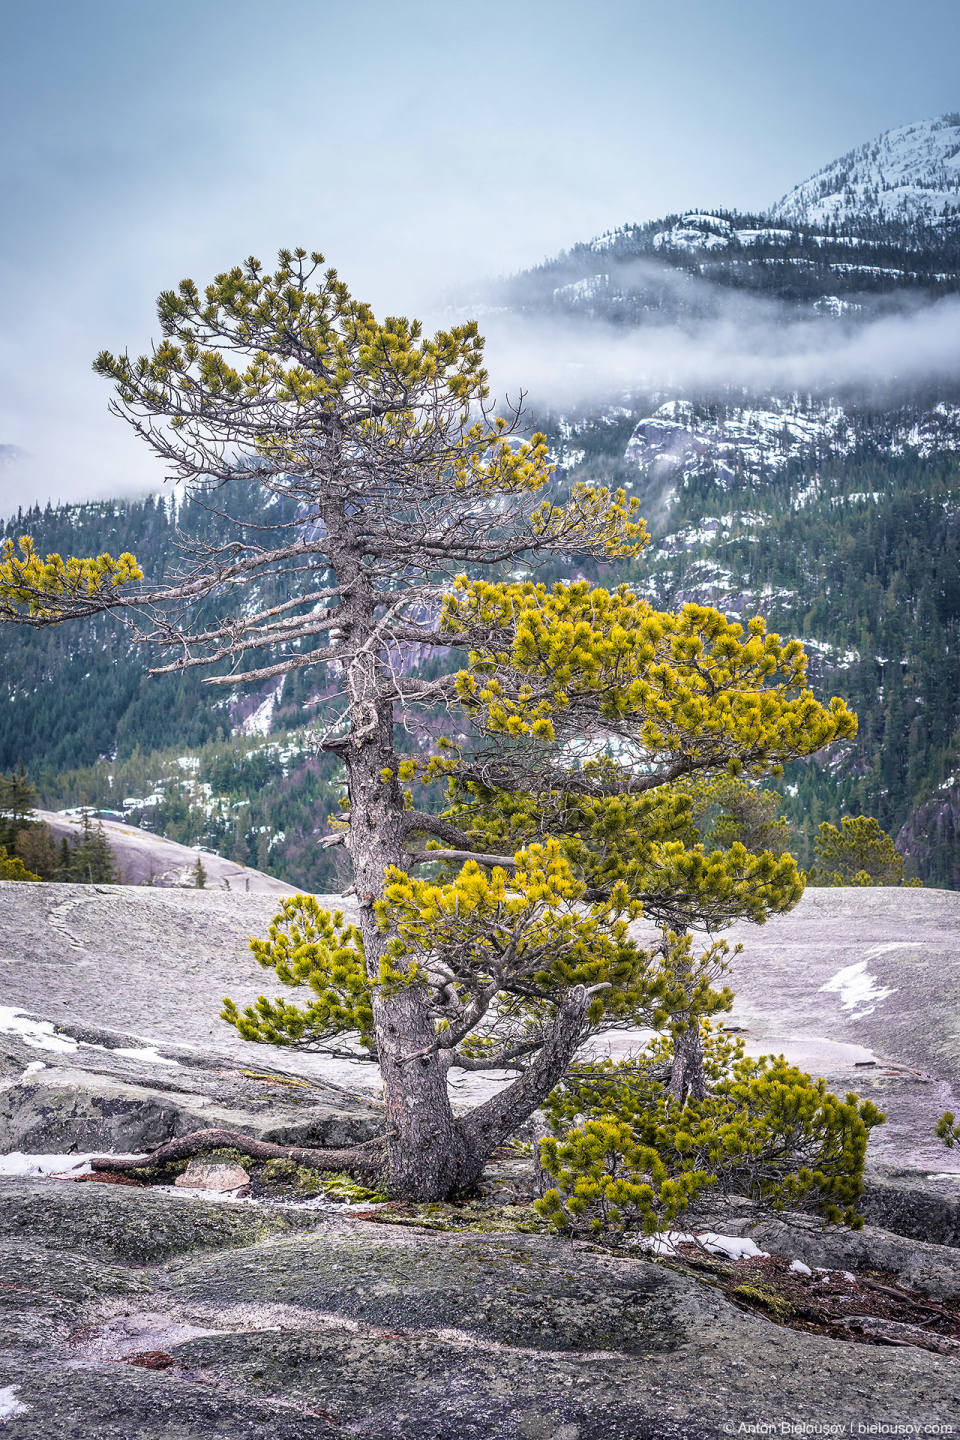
<point>734,1247</point>
<point>39,1034</point>
<point>9,1404</point>
<point>17,1163</point>
<point>857,988</point>
<point>42,1035</point>
<point>262,718</point>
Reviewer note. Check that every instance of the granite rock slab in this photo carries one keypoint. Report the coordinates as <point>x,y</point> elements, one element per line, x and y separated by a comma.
<point>278,1324</point>
<point>104,1090</point>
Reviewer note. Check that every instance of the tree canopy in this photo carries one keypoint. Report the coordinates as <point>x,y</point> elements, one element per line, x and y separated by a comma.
<point>858,853</point>
<point>565,729</point>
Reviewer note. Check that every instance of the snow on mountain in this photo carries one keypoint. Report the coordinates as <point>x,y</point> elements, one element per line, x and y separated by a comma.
<point>681,439</point>
<point>723,450</point>
<point>741,438</point>
<point>586,289</point>
<point>696,231</point>
<point>910,173</point>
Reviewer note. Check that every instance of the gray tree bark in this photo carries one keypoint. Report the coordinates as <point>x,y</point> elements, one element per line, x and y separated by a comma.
<point>429,1153</point>
<point>687,1080</point>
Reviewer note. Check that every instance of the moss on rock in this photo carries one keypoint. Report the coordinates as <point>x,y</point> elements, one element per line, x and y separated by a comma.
<point>471,1215</point>
<point>285,1177</point>
<point>766,1297</point>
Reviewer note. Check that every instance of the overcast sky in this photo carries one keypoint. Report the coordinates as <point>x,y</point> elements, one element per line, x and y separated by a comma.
<point>417,144</point>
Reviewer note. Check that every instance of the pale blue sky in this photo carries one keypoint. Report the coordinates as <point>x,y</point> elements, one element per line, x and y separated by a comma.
<point>416,144</point>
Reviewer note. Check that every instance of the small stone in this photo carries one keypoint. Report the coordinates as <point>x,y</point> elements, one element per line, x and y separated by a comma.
<point>209,1175</point>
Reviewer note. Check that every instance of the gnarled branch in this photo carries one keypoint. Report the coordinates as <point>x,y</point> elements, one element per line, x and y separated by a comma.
<point>420,857</point>
<point>201,1142</point>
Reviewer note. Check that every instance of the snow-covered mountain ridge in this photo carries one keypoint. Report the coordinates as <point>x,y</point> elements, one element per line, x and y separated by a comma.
<point>911,173</point>
<point>876,229</point>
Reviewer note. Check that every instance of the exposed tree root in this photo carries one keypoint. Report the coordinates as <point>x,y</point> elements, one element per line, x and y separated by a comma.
<point>368,1157</point>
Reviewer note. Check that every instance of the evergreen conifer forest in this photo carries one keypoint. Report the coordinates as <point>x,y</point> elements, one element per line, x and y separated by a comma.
<point>854,551</point>
<point>834,516</point>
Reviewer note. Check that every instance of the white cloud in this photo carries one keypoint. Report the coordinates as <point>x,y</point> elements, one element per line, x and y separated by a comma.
<point>565,361</point>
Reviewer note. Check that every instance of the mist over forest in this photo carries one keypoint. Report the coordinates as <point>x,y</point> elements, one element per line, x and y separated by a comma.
<point>780,392</point>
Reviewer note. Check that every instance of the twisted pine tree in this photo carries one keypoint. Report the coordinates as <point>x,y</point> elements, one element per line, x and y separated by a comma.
<point>583,708</point>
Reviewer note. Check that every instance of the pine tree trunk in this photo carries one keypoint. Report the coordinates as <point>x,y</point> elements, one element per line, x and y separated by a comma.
<point>687,1080</point>
<point>430,1152</point>
<point>425,1154</point>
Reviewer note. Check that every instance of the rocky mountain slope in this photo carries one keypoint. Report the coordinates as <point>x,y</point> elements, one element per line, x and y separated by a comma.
<point>142,858</point>
<point>829,505</point>
<point>838,520</point>
<point>877,227</point>
<point>909,173</point>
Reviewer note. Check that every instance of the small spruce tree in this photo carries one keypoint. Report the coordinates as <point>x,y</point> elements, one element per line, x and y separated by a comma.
<point>20,832</point>
<point>64,873</point>
<point>17,799</point>
<point>948,1130</point>
<point>89,860</point>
